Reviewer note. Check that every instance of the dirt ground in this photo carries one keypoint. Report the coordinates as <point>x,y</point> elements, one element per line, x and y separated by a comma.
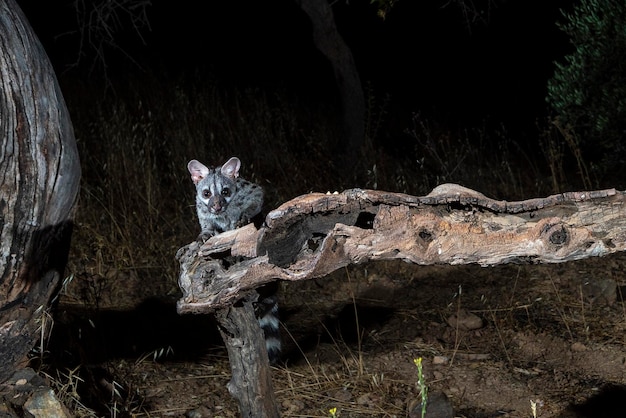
<point>495,341</point>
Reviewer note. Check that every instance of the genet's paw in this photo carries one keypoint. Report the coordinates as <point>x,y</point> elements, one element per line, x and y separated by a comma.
<point>204,236</point>
<point>242,222</point>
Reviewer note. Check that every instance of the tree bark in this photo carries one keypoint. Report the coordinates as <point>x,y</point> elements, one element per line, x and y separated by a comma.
<point>330,43</point>
<point>39,179</point>
<point>251,380</point>
<point>315,234</point>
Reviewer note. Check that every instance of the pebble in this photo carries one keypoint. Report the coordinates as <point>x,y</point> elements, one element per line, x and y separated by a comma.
<point>465,320</point>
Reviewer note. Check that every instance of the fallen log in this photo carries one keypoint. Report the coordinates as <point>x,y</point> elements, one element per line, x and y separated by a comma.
<point>315,234</point>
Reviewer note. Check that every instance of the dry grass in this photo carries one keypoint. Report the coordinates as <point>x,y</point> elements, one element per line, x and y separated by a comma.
<point>136,208</point>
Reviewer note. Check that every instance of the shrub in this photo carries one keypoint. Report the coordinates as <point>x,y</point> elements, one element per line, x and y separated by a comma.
<point>588,89</point>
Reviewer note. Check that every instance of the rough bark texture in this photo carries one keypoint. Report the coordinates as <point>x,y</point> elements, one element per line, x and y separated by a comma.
<point>251,380</point>
<point>330,43</point>
<point>39,179</point>
<point>315,234</point>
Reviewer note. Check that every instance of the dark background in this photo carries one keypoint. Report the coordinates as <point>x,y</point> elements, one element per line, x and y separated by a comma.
<point>426,57</point>
<point>426,54</point>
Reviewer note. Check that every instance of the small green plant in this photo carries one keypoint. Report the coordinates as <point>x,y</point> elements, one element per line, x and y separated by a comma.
<point>421,384</point>
<point>333,413</point>
<point>535,406</point>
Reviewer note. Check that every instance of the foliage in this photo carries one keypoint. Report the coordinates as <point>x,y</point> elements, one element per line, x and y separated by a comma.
<point>587,90</point>
<point>383,7</point>
<point>421,384</point>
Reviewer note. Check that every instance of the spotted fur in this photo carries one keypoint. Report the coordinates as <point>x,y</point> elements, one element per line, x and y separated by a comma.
<point>225,201</point>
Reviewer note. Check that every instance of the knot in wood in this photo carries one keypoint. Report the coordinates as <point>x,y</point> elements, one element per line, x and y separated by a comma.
<point>558,236</point>
<point>426,235</point>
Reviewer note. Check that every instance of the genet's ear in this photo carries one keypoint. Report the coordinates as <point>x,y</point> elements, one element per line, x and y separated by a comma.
<point>197,170</point>
<point>231,168</point>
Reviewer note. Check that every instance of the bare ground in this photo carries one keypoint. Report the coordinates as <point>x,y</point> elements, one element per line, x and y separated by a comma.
<point>548,335</point>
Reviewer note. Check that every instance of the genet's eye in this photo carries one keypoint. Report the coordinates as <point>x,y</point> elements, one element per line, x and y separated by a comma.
<point>226,192</point>
<point>206,193</point>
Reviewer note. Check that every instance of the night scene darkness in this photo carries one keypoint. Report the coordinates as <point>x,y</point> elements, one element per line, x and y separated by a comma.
<point>427,56</point>
<point>449,91</point>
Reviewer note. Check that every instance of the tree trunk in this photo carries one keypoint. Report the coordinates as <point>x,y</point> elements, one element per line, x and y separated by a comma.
<point>39,179</point>
<point>328,41</point>
<point>251,381</point>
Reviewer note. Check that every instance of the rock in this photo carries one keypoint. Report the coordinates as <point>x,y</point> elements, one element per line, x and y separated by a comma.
<point>200,412</point>
<point>28,394</point>
<point>44,403</point>
<point>437,406</point>
<point>441,360</point>
<point>292,407</point>
<point>600,291</point>
<point>464,320</point>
